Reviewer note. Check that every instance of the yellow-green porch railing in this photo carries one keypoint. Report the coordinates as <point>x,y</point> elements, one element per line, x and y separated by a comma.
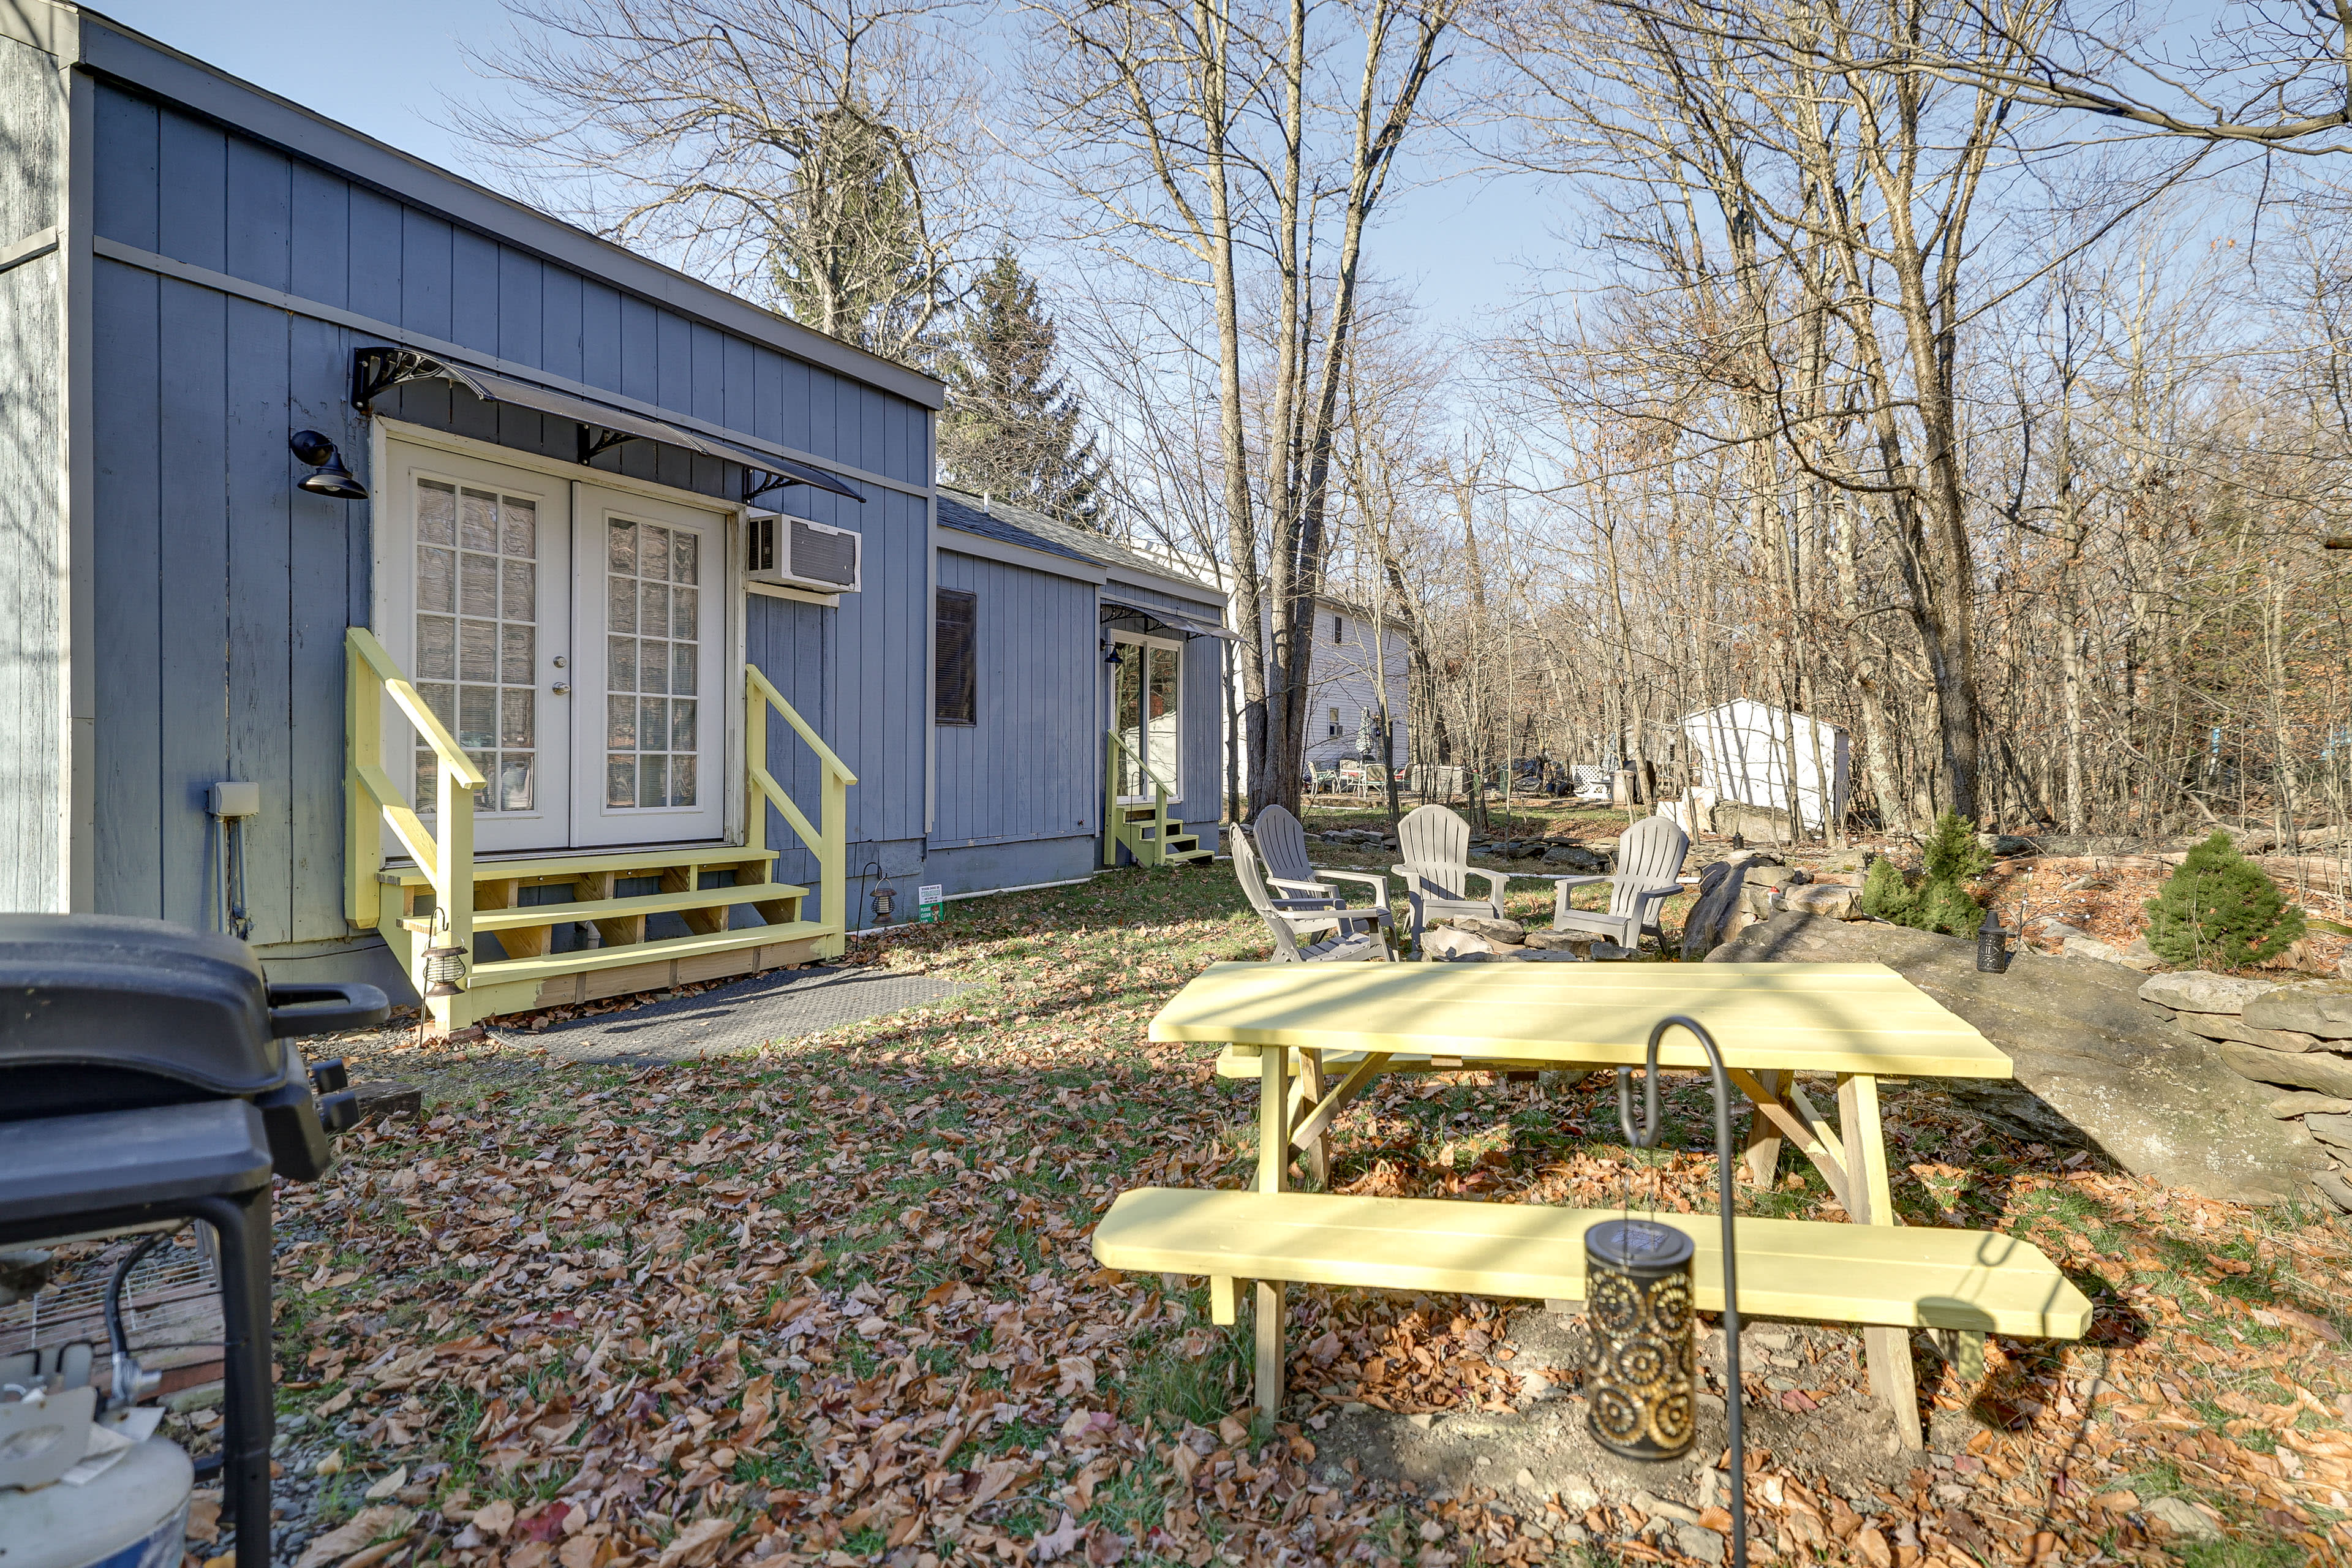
<point>376,801</point>
<point>828,838</point>
<point>1148,849</point>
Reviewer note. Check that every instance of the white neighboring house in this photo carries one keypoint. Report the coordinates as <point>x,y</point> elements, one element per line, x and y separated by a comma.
<point>1746,752</point>
<point>1351,669</point>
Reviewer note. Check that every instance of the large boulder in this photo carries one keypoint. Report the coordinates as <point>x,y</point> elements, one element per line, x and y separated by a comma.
<point>1835,903</point>
<point>1503,932</point>
<point>1446,944</point>
<point>2322,1007</point>
<point>2161,1101</point>
<point>2202,991</point>
<point>1722,887</point>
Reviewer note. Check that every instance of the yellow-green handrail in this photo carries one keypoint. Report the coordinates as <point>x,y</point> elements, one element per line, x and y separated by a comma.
<point>372,800</point>
<point>829,839</point>
<point>1146,852</point>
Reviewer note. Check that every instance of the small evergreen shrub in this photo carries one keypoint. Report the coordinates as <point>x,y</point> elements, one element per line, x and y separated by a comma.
<point>2220,910</point>
<point>1884,893</point>
<point>1952,859</point>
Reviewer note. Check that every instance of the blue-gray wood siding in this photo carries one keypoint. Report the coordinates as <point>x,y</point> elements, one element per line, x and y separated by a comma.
<point>194,192</point>
<point>32,663</point>
<point>1030,765</point>
<point>223,591</point>
<point>858,674</point>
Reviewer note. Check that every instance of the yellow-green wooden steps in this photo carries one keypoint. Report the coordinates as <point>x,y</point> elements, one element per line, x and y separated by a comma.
<point>1154,841</point>
<point>466,894</point>
<point>531,976</point>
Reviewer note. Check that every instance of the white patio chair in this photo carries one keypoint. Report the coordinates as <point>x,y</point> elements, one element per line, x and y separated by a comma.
<point>1435,843</point>
<point>1294,911</point>
<point>1649,858</point>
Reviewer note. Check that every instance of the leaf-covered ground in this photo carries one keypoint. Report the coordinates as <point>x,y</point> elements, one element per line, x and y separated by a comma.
<point>834,1303</point>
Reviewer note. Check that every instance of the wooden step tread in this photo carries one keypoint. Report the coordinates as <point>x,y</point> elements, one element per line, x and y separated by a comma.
<point>520,970</point>
<point>628,862</point>
<point>524,916</point>
<point>1902,1275</point>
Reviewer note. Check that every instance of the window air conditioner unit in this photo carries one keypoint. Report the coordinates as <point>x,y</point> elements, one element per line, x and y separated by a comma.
<point>797,554</point>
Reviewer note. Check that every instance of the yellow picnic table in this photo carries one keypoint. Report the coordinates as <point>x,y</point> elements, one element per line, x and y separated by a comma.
<point>1857,1022</point>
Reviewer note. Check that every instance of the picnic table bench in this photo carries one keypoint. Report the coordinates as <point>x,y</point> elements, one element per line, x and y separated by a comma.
<point>1859,1022</point>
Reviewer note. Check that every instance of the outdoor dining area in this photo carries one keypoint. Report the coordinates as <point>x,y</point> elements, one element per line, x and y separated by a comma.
<point>1804,1047</point>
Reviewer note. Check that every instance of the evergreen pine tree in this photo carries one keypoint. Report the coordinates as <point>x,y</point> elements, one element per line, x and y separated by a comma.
<point>1011,427</point>
<point>2219,910</point>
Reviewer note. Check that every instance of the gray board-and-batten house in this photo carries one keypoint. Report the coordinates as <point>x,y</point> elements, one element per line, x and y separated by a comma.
<point>620,675</point>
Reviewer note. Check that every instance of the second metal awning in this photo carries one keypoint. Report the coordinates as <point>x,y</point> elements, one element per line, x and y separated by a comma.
<point>376,371</point>
<point>1161,618</point>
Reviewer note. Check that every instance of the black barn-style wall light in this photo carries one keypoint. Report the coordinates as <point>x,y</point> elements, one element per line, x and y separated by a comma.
<point>328,476</point>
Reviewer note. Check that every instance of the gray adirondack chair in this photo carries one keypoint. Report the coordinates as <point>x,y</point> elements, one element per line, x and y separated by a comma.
<point>1435,843</point>
<point>1295,912</point>
<point>1649,858</point>
<point>1282,846</point>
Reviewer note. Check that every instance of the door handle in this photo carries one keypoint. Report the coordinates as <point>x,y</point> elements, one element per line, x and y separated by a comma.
<point>562,689</point>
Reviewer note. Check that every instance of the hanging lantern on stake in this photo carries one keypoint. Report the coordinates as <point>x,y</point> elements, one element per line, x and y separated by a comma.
<point>1641,1307</point>
<point>445,971</point>
<point>1641,1381</point>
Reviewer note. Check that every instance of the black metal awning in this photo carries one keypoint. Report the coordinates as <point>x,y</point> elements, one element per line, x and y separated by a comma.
<point>376,371</point>
<point>1159,617</point>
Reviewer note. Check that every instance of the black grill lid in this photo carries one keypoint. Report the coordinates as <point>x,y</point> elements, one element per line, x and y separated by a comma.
<point>147,996</point>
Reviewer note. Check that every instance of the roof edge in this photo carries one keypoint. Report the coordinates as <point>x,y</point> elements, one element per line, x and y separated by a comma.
<point>112,48</point>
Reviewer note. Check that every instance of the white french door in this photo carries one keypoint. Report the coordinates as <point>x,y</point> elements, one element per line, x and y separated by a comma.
<point>474,592</point>
<point>1147,703</point>
<point>649,748</point>
<point>570,637</point>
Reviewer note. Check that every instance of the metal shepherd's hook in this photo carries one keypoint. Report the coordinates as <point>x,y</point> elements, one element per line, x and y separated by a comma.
<point>1646,1137</point>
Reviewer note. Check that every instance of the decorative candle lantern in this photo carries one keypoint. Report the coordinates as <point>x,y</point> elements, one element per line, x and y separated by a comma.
<point>1992,945</point>
<point>1640,1381</point>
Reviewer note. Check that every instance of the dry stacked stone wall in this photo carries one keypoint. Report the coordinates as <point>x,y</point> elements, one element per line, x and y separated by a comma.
<point>2295,1038</point>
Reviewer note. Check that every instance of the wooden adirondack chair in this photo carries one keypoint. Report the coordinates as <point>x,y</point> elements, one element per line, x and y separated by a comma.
<point>1649,858</point>
<point>1295,909</point>
<point>1282,845</point>
<point>1436,845</point>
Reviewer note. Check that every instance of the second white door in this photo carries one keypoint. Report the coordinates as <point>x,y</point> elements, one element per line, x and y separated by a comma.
<point>648,724</point>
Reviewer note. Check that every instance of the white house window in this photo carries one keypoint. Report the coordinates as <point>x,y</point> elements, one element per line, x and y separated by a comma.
<point>1335,721</point>
<point>1338,629</point>
<point>654,625</point>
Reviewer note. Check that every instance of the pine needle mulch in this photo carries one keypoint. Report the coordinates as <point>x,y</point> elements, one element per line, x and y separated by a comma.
<point>833,1303</point>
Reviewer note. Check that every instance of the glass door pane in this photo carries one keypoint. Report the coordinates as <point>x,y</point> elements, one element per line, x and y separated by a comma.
<point>1162,695</point>
<point>477,637</point>
<point>652,625</point>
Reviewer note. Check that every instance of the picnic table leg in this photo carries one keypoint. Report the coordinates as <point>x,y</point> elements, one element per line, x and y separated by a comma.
<point>1886,1351</point>
<point>1273,1176</point>
<point>1272,1119</point>
<point>1318,1151</point>
<point>1270,1307</point>
<point>1763,1150</point>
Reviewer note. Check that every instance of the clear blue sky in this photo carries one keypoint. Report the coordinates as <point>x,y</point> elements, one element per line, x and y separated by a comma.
<point>385,68</point>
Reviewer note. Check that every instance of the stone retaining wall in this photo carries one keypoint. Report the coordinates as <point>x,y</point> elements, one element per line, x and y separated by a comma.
<point>2295,1039</point>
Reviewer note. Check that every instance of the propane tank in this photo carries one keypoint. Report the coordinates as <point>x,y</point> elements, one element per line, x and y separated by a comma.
<point>132,1515</point>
